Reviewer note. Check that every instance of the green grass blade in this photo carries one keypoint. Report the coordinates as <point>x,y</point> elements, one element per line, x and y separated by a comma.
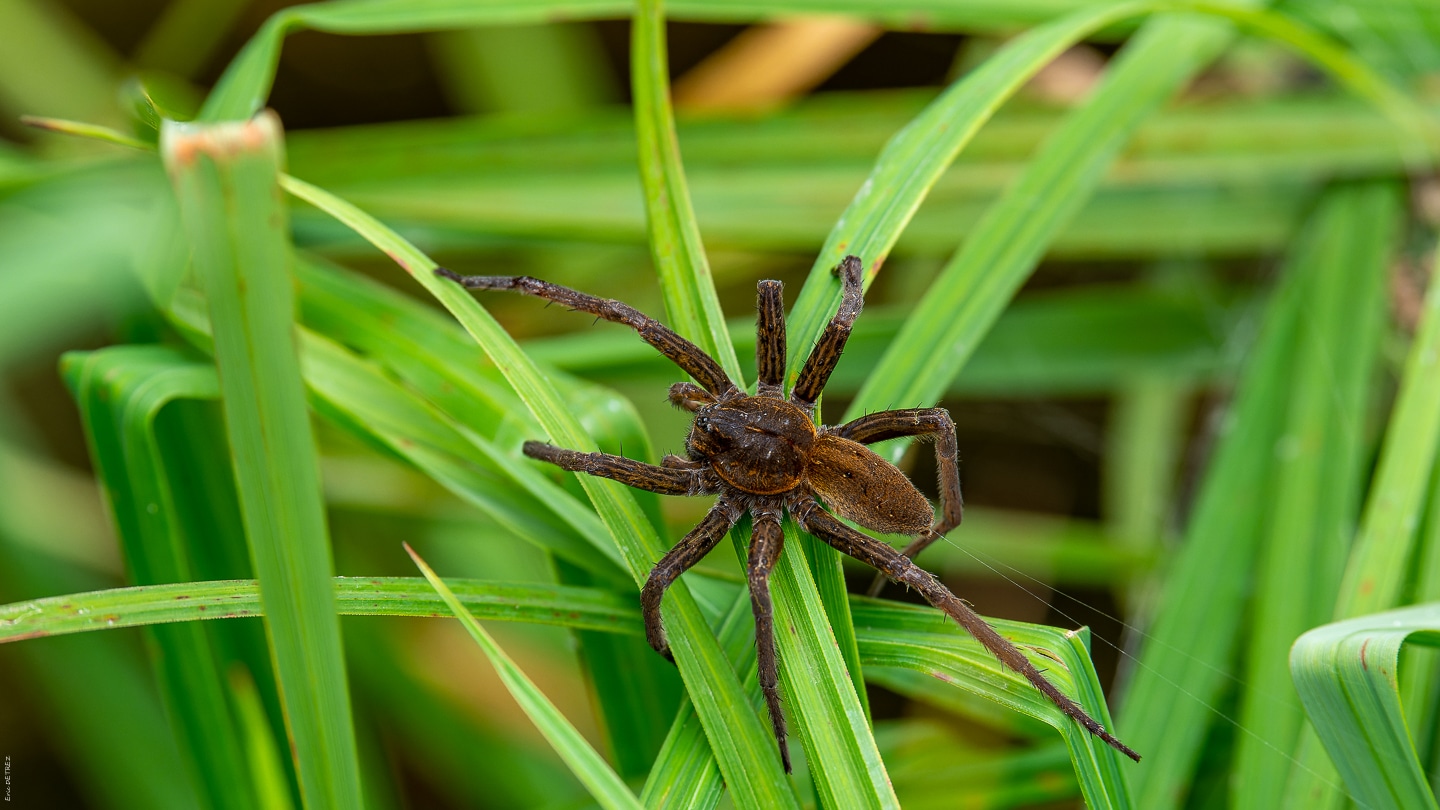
<point>1378,565</point>
<point>187,34</point>
<point>96,696</point>
<point>1145,440</point>
<point>743,747</point>
<point>635,691</point>
<point>549,68</point>
<point>915,158</point>
<point>1346,674</point>
<point>226,181</point>
<point>479,763</point>
<point>922,639</point>
<point>1017,230</point>
<point>816,685</point>
<point>558,605</point>
<point>1343,259</point>
<point>1384,554</point>
<point>675,245</point>
<point>1165,712</point>
<point>267,769</point>
<point>121,391</point>
<point>685,774</point>
<point>587,764</point>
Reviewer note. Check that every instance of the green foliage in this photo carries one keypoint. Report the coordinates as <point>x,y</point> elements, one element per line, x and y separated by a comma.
<point>256,362</point>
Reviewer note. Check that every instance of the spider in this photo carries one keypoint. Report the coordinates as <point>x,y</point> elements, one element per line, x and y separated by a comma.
<point>765,455</point>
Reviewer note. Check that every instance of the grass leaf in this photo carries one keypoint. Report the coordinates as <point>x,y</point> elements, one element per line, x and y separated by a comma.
<point>675,245</point>
<point>1346,674</point>
<point>226,180</point>
<point>1319,466</point>
<point>121,391</point>
<point>1383,557</point>
<point>584,761</point>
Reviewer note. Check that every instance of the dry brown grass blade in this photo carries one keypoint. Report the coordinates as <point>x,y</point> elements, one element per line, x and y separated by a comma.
<point>767,65</point>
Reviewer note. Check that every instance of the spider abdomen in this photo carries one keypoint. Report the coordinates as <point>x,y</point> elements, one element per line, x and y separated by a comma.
<point>861,486</point>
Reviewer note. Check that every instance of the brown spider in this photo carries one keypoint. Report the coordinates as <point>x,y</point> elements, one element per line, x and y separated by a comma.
<point>763,453</point>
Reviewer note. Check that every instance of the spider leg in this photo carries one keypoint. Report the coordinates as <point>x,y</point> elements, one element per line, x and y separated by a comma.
<point>826,353</point>
<point>638,474</point>
<point>765,546</point>
<point>901,569</point>
<point>770,340</point>
<point>681,352</point>
<point>677,561</point>
<point>877,427</point>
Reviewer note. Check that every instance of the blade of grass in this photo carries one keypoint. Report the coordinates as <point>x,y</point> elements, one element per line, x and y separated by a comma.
<point>635,691</point>
<point>120,392</point>
<point>584,761</point>
<point>1145,439</point>
<point>1319,466</point>
<point>922,639</point>
<point>832,725</point>
<point>1017,229</point>
<point>679,256</point>
<point>935,770</point>
<point>121,751</point>
<point>1181,667</point>
<point>559,605</point>
<point>914,159</point>
<point>477,761</point>
<point>226,181</point>
<point>267,769</point>
<point>549,68</point>
<point>743,747</point>
<point>685,774</point>
<point>1346,674</point>
<point>1384,553</point>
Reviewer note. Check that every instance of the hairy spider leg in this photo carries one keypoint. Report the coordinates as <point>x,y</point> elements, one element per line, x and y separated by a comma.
<point>638,474</point>
<point>677,561</point>
<point>821,362</point>
<point>770,340</point>
<point>681,352</point>
<point>877,427</point>
<point>765,544</point>
<point>900,568</point>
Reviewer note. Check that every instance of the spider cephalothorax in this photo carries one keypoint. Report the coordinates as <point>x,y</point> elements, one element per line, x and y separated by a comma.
<point>764,455</point>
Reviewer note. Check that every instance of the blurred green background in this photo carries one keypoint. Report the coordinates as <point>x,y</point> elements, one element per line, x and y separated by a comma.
<point>1093,418</point>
